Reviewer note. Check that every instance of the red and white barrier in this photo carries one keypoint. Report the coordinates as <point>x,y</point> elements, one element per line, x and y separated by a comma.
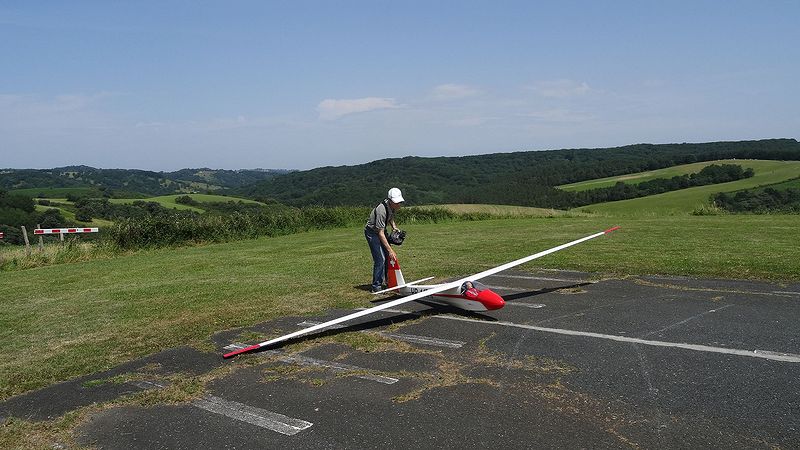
<point>2,235</point>
<point>65,230</point>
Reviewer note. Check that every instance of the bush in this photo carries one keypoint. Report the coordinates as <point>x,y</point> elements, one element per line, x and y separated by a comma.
<point>176,229</point>
<point>186,200</point>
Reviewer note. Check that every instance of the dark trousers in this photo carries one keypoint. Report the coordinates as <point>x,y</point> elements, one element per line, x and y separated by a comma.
<point>378,258</point>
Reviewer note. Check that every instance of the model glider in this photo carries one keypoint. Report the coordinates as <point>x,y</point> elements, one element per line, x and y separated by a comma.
<point>466,293</point>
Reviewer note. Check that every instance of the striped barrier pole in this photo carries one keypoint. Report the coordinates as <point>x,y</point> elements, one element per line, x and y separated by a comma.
<point>65,230</point>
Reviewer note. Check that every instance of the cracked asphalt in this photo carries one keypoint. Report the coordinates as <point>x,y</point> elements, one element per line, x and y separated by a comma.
<point>572,361</point>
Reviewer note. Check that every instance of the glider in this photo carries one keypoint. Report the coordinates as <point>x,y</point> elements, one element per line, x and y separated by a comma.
<point>466,293</point>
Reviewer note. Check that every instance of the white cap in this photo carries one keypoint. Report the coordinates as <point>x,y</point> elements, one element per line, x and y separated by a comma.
<point>395,195</point>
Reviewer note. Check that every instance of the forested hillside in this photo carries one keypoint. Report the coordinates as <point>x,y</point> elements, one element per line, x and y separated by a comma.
<point>521,178</point>
<point>127,181</point>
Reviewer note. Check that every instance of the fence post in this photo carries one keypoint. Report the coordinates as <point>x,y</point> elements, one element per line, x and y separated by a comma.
<point>27,243</point>
<point>61,236</point>
<point>41,241</point>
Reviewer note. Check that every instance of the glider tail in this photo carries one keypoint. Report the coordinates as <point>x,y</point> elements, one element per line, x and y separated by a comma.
<point>394,276</point>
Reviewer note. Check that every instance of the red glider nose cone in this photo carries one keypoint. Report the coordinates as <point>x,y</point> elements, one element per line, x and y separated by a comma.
<point>491,300</point>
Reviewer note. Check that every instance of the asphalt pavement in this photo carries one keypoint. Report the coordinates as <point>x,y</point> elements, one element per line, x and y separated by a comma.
<point>574,360</point>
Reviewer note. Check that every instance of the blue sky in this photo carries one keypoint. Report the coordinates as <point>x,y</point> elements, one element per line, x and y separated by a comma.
<point>173,84</point>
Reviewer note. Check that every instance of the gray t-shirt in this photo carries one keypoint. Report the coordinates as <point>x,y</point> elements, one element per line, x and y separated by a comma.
<point>379,217</point>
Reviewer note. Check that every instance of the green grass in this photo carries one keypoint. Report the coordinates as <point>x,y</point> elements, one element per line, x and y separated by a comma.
<point>789,184</point>
<point>57,192</point>
<point>66,320</point>
<point>168,201</point>
<point>500,210</point>
<point>669,172</point>
<point>685,201</point>
<point>69,215</point>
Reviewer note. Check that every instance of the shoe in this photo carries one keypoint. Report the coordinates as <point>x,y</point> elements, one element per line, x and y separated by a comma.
<point>374,290</point>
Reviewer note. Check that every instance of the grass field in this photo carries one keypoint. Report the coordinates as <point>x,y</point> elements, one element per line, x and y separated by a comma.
<point>69,215</point>
<point>669,172</point>
<point>685,201</point>
<point>66,320</point>
<point>56,192</point>
<point>168,201</point>
<point>501,210</point>
<point>789,184</point>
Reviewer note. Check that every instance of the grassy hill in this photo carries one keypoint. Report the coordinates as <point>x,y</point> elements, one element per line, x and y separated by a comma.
<point>519,178</point>
<point>502,210</point>
<point>686,200</point>
<point>69,215</point>
<point>668,172</point>
<point>168,201</point>
<point>130,180</point>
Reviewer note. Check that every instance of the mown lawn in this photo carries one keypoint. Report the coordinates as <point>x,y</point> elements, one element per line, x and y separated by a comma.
<point>501,210</point>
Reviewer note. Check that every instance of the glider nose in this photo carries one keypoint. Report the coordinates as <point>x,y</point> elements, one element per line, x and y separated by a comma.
<point>491,300</point>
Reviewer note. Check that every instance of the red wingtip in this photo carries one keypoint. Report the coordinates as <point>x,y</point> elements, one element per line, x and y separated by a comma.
<point>611,229</point>
<point>241,350</point>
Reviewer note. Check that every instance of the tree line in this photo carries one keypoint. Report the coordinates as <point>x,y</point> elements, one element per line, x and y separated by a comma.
<point>759,201</point>
<point>521,178</point>
<point>119,183</point>
<point>19,210</point>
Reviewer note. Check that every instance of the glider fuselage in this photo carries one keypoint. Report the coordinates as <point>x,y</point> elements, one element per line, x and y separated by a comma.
<point>470,296</point>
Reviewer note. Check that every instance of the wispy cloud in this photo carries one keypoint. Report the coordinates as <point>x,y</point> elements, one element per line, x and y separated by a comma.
<point>562,88</point>
<point>470,121</point>
<point>444,92</point>
<point>332,109</point>
<point>558,115</point>
<point>25,111</point>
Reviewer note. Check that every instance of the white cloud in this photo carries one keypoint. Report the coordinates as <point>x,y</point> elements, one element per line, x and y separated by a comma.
<point>470,121</point>
<point>445,92</point>
<point>332,109</point>
<point>560,88</point>
<point>66,111</point>
<point>557,115</point>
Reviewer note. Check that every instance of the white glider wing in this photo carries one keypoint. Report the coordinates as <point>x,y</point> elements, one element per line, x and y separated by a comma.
<point>417,296</point>
<point>400,301</point>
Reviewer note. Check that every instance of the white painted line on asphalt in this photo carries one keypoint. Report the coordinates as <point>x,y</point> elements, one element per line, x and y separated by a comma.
<point>767,352</point>
<point>147,385</point>
<point>526,305</point>
<point>786,292</point>
<point>764,354</point>
<point>306,361</point>
<point>427,340</point>
<point>677,324</point>
<point>311,323</point>
<point>255,416</point>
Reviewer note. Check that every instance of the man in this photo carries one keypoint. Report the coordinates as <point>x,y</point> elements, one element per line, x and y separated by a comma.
<point>380,217</point>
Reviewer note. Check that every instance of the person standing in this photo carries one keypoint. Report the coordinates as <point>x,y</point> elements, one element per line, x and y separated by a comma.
<point>381,217</point>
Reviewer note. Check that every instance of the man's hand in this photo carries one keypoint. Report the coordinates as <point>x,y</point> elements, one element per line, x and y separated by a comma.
<point>392,254</point>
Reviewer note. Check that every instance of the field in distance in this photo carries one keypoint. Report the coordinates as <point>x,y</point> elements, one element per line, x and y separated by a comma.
<point>759,166</point>
<point>502,210</point>
<point>168,201</point>
<point>685,201</point>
